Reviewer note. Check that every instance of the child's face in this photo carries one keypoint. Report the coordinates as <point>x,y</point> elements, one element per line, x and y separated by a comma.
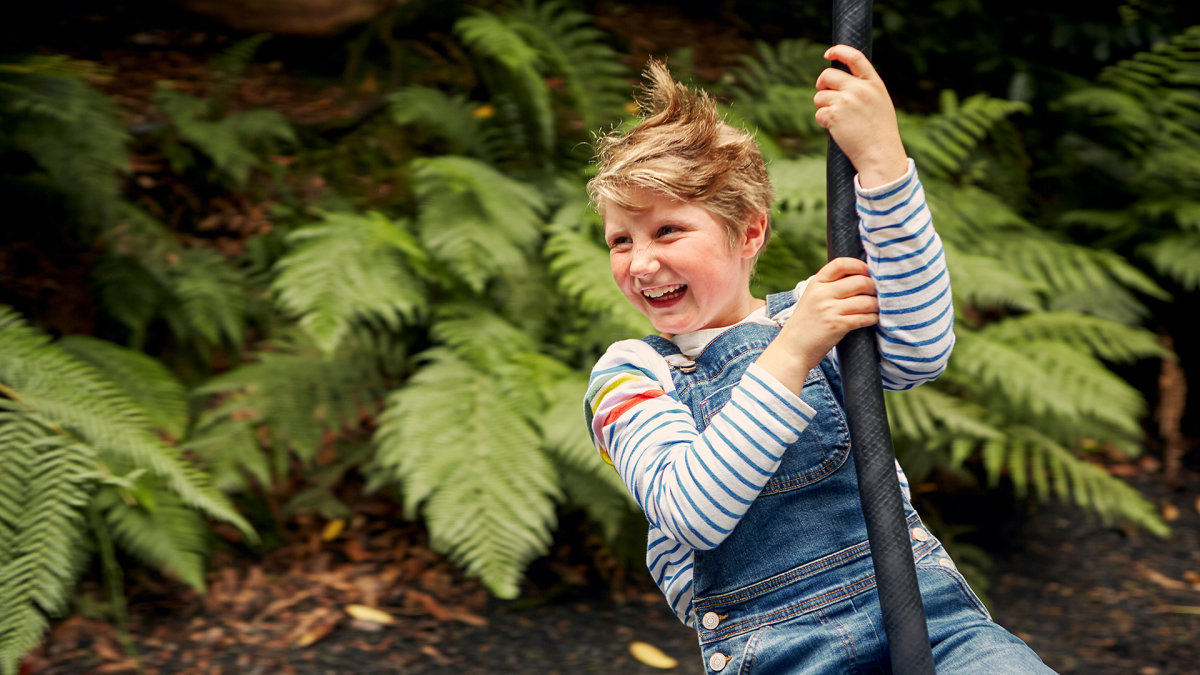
<point>674,262</point>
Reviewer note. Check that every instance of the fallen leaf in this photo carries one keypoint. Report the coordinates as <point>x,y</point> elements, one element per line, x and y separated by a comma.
<point>333,528</point>
<point>444,613</point>
<point>1170,512</point>
<point>1160,579</point>
<point>1185,609</point>
<point>370,614</point>
<point>651,655</point>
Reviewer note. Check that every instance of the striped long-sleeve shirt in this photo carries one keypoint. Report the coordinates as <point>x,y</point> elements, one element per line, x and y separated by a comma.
<point>695,486</point>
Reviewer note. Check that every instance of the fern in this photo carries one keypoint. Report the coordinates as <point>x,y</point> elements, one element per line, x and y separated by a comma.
<point>581,265</point>
<point>66,429</point>
<point>452,119</point>
<point>160,530</point>
<point>774,92</point>
<point>296,394</point>
<point>943,144</point>
<point>571,48</point>
<point>143,379</point>
<point>1134,155</point>
<point>208,299</point>
<point>474,219</point>
<point>228,142</point>
<point>348,268</point>
<point>512,67</point>
<point>44,381</point>
<point>71,132</point>
<point>459,440</point>
<point>44,486</point>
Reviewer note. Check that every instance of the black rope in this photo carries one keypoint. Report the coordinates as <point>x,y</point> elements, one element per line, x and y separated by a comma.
<point>870,438</point>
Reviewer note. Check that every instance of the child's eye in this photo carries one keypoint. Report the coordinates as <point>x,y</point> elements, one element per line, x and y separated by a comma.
<point>667,229</point>
<point>616,242</point>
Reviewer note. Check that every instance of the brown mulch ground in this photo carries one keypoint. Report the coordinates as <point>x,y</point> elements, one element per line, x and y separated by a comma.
<point>1088,597</point>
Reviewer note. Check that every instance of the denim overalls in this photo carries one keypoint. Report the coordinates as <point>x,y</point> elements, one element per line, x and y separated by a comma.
<point>791,590</point>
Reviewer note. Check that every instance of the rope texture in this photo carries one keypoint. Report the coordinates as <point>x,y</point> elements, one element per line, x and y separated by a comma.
<point>870,438</point>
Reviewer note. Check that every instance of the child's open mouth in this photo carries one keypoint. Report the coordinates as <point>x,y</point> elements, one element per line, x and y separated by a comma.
<point>664,295</point>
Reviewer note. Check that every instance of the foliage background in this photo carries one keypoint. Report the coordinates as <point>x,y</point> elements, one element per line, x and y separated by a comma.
<point>221,308</point>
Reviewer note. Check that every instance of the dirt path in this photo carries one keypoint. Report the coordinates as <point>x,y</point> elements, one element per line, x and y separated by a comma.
<point>1088,598</point>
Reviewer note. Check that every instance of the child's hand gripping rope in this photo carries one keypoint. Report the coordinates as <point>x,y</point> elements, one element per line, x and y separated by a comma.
<point>856,109</point>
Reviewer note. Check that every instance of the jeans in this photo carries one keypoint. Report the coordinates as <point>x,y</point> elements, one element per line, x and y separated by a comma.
<point>792,588</point>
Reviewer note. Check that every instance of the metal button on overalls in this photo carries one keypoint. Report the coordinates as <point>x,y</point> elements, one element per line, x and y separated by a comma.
<point>717,661</point>
<point>710,620</point>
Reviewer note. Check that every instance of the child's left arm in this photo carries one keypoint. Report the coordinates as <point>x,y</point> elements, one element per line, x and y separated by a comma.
<point>904,253</point>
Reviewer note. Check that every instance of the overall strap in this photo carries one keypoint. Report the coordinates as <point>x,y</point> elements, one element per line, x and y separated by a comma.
<point>661,345</point>
<point>777,302</point>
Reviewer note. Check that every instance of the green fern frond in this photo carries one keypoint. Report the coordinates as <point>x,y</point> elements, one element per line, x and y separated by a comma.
<point>475,219</point>
<point>42,380</point>
<point>570,47</point>
<point>1177,257</point>
<point>209,299</point>
<point>229,142</point>
<point>70,130</point>
<point>349,268</point>
<point>450,118</point>
<point>774,91</point>
<point>513,69</point>
<point>159,529</point>
<point>942,144</point>
<point>296,394</point>
<point>1049,384</point>
<point>229,451</point>
<point>479,336</point>
<point>44,486</point>
<point>1033,460</point>
<point>1099,337</point>
<point>581,266</point>
<point>982,281</point>
<point>455,442</point>
<point>144,379</point>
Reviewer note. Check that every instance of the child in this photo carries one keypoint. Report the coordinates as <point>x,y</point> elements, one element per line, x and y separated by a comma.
<point>728,428</point>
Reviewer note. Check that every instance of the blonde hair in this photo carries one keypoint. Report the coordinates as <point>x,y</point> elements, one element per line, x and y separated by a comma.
<point>682,148</point>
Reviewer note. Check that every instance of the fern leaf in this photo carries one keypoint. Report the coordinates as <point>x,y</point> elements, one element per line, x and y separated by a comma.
<point>160,530</point>
<point>1101,338</point>
<point>229,451</point>
<point>144,379</point>
<point>452,119</point>
<point>474,219</point>
<point>571,48</point>
<point>44,486</point>
<point>1176,256</point>
<point>581,266</point>
<point>44,380</point>
<point>515,70</point>
<point>1052,469</point>
<point>210,299</point>
<point>349,268</point>
<point>297,394</point>
<point>70,130</point>
<point>454,441</point>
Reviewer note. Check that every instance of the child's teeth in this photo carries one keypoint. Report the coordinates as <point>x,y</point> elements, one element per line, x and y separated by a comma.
<point>659,292</point>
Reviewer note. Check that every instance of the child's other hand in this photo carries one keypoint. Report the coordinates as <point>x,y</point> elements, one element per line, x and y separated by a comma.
<point>839,298</point>
<point>856,109</point>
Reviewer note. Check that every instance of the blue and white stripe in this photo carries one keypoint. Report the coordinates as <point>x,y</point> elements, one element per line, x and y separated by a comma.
<point>695,486</point>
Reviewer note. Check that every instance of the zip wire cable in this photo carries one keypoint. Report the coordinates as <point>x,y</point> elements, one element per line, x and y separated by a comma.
<point>870,438</point>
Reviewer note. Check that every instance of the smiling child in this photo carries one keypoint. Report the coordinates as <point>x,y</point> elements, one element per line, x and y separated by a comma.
<point>727,427</point>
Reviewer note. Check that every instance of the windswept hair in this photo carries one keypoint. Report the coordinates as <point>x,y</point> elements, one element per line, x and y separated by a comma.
<point>683,149</point>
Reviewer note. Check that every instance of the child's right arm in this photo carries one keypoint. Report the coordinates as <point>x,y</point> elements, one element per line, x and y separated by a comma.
<point>694,486</point>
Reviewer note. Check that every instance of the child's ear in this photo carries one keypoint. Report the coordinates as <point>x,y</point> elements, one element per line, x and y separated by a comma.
<point>755,235</point>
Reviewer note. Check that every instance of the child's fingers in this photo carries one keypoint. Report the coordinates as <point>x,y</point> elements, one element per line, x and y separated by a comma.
<point>859,65</point>
<point>841,267</point>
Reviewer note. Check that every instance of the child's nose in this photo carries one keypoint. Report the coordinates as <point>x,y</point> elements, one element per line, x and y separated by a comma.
<point>643,263</point>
